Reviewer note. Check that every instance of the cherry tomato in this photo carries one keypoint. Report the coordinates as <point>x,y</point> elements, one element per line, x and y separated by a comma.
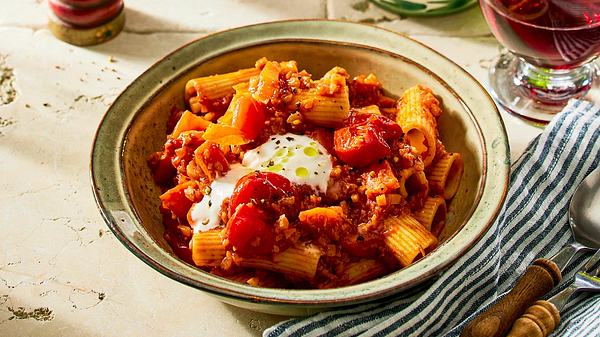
<point>363,141</point>
<point>267,186</point>
<point>249,116</point>
<point>248,230</point>
<point>359,145</point>
<point>217,157</point>
<point>386,127</point>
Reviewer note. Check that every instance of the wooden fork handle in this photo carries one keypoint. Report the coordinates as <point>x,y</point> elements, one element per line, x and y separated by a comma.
<point>539,320</point>
<point>539,278</point>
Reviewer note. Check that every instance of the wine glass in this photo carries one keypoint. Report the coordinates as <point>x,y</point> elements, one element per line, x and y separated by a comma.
<point>552,47</point>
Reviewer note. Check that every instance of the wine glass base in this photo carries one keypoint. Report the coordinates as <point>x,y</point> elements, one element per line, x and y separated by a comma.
<point>514,95</point>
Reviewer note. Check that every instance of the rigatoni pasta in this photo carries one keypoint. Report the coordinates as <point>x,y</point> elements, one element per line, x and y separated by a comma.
<point>413,182</point>
<point>446,173</point>
<point>207,248</point>
<point>433,214</point>
<point>407,238</point>
<point>417,113</point>
<point>273,178</point>
<point>363,270</point>
<point>326,102</point>
<point>299,261</point>
<point>325,110</point>
<point>360,271</point>
<point>199,92</point>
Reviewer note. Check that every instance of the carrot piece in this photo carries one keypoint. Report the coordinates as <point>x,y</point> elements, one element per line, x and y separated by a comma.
<point>225,135</point>
<point>267,87</point>
<point>248,116</point>
<point>189,121</point>
<point>328,221</point>
<point>321,215</point>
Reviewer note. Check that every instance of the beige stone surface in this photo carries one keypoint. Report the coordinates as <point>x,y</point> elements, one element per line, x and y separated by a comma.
<point>62,273</point>
<point>178,15</point>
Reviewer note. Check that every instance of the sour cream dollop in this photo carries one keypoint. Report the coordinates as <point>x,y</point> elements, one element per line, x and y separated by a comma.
<point>299,158</point>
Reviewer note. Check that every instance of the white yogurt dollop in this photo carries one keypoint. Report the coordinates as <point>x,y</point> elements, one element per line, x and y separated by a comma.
<point>205,214</point>
<point>299,158</point>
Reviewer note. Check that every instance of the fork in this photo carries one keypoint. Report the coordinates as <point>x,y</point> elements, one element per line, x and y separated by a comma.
<point>540,319</point>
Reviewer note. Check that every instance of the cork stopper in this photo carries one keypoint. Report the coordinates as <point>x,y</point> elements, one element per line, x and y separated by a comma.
<point>86,22</point>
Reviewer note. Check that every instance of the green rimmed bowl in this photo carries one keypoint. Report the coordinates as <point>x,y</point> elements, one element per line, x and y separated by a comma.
<point>134,127</point>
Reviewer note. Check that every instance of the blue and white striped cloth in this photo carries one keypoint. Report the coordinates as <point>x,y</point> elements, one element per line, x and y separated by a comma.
<point>533,223</point>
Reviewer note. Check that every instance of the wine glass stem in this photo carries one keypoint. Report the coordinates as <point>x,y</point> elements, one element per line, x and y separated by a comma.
<point>554,86</point>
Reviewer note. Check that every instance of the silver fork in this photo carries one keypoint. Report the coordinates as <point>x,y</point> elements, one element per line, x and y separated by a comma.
<point>540,319</point>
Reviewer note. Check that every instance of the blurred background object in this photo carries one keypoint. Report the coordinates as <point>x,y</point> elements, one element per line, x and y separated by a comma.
<point>424,7</point>
<point>552,46</point>
<point>86,22</point>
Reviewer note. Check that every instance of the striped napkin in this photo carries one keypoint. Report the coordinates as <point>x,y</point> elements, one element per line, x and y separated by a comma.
<point>533,223</point>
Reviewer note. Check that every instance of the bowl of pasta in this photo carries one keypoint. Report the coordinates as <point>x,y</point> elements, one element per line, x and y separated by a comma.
<point>297,166</point>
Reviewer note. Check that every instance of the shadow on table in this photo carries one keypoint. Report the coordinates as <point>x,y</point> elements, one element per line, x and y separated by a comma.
<point>254,322</point>
<point>145,36</point>
<point>145,23</point>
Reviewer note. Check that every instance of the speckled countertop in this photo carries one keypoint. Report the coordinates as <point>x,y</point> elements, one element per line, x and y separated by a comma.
<point>62,273</point>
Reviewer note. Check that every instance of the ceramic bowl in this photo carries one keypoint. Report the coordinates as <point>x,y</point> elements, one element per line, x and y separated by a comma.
<point>134,127</point>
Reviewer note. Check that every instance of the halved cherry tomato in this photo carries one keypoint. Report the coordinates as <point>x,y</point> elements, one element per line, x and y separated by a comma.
<point>359,145</point>
<point>217,157</point>
<point>263,186</point>
<point>383,125</point>
<point>248,230</point>
<point>249,116</point>
<point>363,141</point>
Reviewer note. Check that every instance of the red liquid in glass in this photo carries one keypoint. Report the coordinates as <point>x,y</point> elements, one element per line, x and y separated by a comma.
<point>555,34</point>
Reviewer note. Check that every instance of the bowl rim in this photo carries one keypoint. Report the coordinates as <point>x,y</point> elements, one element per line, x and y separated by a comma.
<point>129,225</point>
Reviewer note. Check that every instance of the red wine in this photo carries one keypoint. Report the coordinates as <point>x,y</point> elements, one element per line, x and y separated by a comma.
<point>559,34</point>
